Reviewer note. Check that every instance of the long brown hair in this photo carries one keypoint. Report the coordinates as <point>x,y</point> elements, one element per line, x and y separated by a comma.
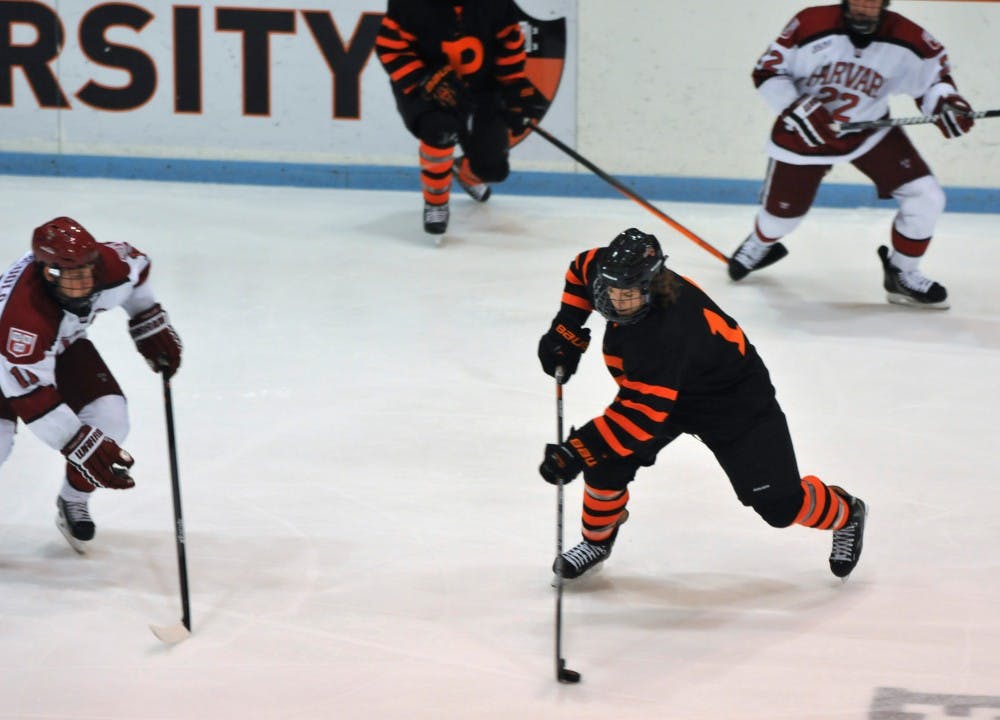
<point>665,288</point>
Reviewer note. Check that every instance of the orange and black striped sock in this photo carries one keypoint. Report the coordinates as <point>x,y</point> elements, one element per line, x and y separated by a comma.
<point>823,507</point>
<point>435,173</point>
<point>603,511</point>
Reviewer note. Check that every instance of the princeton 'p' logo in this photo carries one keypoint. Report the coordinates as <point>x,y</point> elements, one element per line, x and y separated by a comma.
<point>20,343</point>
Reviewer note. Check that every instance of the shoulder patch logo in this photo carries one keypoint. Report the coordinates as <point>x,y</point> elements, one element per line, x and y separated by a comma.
<point>21,343</point>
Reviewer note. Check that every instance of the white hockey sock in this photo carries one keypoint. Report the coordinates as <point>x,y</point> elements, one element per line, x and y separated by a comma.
<point>906,263</point>
<point>71,494</point>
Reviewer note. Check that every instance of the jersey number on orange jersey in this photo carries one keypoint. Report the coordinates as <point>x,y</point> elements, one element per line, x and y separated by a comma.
<point>719,327</point>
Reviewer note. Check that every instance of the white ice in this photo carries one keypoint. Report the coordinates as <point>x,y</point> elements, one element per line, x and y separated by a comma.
<point>360,417</point>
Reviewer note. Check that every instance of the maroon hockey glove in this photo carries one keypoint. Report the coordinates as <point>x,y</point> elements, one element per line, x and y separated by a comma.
<point>99,459</point>
<point>560,463</point>
<point>156,340</point>
<point>523,104</point>
<point>444,88</point>
<point>562,346</point>
<point>953,120</point>
<point>812,122</point>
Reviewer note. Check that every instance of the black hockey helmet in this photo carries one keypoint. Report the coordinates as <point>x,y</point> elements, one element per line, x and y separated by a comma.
<point>862,25</point>
<point>632,260</point>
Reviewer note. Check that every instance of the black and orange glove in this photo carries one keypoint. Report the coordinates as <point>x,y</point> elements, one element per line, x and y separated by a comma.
<point>562,346</point>
<point>523,104</point>
<point>953,119</point>
<point>560,463</point>
<point>444,88</point>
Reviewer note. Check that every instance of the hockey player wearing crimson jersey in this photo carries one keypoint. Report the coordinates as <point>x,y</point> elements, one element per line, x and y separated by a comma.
<point>457,72</point>
<point>842,63</point>
<point>682,365</point>
<point>51,375</point>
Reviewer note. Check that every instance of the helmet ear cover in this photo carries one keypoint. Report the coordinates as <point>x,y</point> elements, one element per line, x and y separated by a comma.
<point>632,260</point>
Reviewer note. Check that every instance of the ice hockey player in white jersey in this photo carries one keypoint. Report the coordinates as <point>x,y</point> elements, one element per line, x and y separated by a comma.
<point>51,375</point>
<point>841,63</point>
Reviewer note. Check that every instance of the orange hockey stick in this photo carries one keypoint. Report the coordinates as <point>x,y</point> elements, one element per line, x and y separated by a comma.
<point>631,194</point>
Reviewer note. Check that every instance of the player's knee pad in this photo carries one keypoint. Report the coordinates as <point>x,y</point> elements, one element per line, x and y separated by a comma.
<point>921,203</point>
<point>438,128</point>
<point>7,430</point>
<point>109,413</point>
<point>774,227</point>
<point>781,511</point>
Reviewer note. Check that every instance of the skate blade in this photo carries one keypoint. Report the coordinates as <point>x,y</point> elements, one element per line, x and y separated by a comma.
<point>901,299</point>
<point>79,545</point>
<point>171,634</point>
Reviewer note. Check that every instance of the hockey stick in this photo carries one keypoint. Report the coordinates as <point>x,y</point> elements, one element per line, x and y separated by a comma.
<point>179,631</point>
<point>631,194</point>
<point>563,674</point>
<point>917,120</point>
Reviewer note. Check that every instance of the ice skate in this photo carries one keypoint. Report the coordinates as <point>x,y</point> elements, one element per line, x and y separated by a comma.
<point>74,522</point>
<point>754,255</point>
<point>848,540</point>
<point>436,218</point>
<point>585,558</point>
<point>911,287</point>
<point>476,189</point>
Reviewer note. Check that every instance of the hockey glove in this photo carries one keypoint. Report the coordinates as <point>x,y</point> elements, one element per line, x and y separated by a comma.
<point>155,338</point>
<point>562,346</point>
<point>810,120</point>
<point>443,87</point>
<point>523,104</point>
<point>560,463</point>
<point>953,120</point>
<point>99,459</point>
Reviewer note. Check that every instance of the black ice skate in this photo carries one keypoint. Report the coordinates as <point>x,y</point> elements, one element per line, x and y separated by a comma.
<point>911,288</point>
<point>73,521</point>
<point>754,255</point>
<point>848,540</point>
<point>586,557</point>
<point>478,191</point>
<point>436,218</point>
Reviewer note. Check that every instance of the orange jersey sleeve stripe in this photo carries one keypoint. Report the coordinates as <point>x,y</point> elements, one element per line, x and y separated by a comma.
<point>390,44</point>
<point>613,361</point>
<point>407,69</point>
<point>572,278</point>
<point>654,415</point>
<point>576,302</point>
<point>609,437</point>
<point>587,260</point>
<point>645,389</point>
<point>513,59</point>
<point>627,425</point>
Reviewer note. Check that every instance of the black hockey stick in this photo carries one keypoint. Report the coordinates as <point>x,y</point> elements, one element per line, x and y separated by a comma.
<point>563,674</point>
<point>182,630</point>
<point>627,192</point>
<point>917,120</point>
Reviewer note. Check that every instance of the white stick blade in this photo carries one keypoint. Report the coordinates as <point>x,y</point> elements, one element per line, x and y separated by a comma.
<point>171,634</point>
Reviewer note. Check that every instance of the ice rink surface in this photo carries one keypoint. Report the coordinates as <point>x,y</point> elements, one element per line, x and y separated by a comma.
<point>360,416</point>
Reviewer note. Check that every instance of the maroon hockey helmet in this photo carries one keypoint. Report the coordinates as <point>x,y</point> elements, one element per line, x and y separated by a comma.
<point>64,243</point>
